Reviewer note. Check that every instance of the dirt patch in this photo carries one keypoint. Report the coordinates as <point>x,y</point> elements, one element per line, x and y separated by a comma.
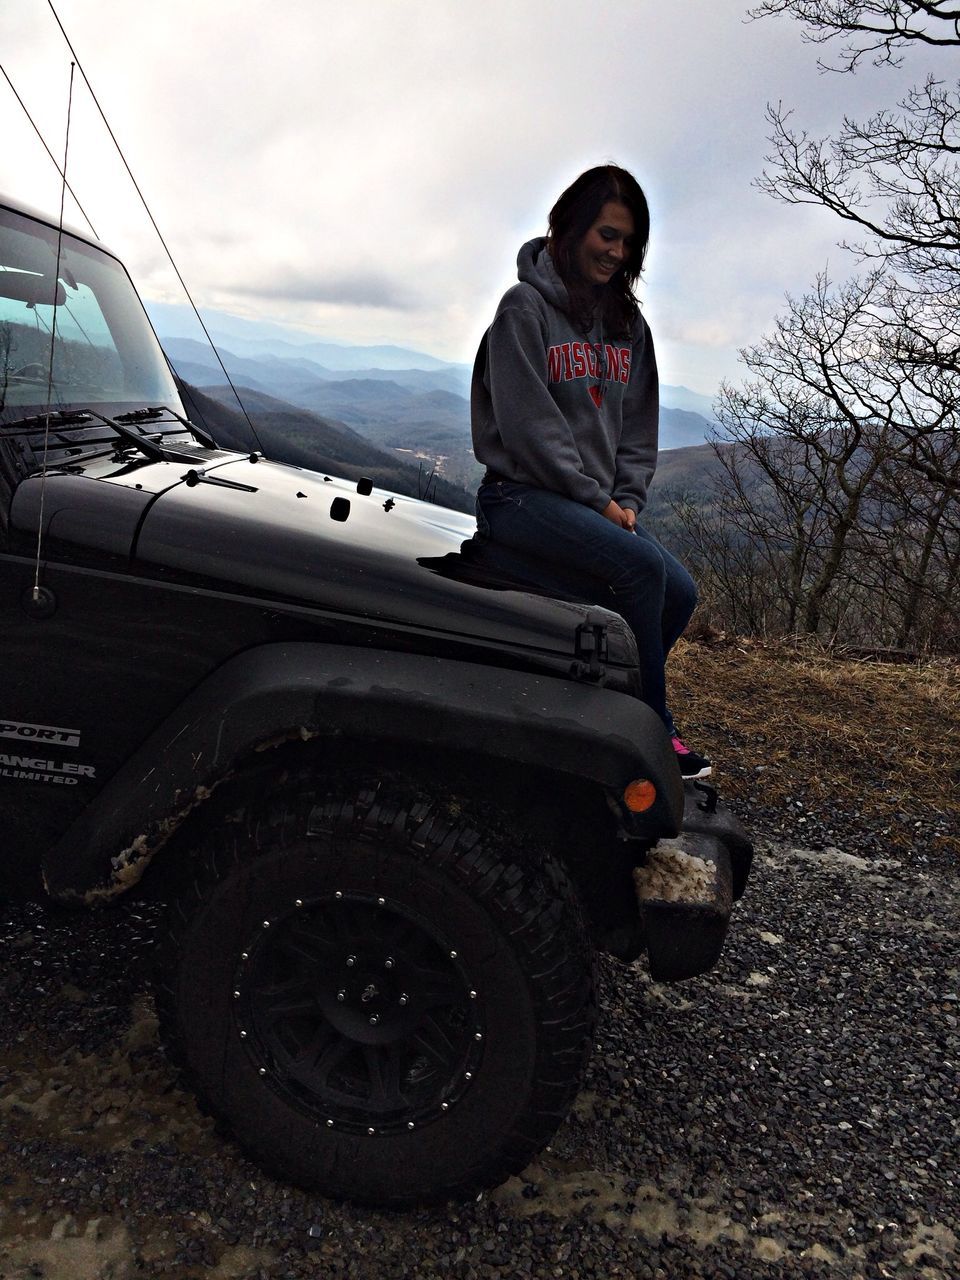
<point>798,727</point>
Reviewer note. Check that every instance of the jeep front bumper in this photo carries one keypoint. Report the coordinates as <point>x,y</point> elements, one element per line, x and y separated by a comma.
<point>687,886</point>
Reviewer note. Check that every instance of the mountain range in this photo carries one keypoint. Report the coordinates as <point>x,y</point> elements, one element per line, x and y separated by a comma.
<point>387,409</point>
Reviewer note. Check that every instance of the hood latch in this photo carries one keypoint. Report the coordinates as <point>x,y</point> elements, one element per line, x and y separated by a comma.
<point>591,652</point>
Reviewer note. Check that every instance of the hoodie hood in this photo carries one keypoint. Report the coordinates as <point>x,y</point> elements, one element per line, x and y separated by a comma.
<point>535,267</point>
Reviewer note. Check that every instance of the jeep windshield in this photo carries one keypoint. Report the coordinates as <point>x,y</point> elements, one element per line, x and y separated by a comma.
<point>77,338</point>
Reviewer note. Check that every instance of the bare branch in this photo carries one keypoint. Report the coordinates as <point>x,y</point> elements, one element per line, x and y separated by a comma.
<point>894,177</point>
<point>880,28</point>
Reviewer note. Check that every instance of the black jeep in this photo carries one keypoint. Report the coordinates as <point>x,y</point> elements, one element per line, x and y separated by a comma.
<point>394,802</point>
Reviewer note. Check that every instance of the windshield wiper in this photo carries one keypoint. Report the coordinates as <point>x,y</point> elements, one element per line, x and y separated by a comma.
<point>122,425</point>
<point>56,418</point>
<point>151,415</point>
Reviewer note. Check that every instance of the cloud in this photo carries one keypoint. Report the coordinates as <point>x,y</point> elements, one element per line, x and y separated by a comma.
<point>402,152</point>
<point>340,289</point>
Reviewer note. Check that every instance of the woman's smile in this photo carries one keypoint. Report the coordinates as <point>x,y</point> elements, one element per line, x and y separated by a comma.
<point>606,247</point>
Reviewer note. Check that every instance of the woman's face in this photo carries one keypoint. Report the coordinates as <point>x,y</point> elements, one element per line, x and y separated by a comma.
<point>606,246</point>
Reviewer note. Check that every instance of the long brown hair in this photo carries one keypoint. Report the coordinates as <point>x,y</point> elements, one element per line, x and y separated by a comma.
<point>571,218</point>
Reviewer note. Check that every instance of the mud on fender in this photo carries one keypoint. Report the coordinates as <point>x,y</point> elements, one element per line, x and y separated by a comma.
<point>685,892</point>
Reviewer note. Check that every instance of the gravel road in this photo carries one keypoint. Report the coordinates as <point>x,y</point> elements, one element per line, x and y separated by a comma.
<point>794,1113</point>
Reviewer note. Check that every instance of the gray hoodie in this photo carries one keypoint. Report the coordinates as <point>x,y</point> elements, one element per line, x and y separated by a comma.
<point>553,407</point>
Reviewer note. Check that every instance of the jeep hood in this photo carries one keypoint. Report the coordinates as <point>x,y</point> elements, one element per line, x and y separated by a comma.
<point>288,535</point>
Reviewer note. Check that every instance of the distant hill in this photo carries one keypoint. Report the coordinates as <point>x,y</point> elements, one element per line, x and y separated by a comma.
<point>690,401</point>
<point>686,470</point>
<point>419,413</point>
<point>173,321</point>
<point>410,410</point>
<point>294,434</point>
<point>304,439</point>
<point>682,429</point>
<point>288,349</point>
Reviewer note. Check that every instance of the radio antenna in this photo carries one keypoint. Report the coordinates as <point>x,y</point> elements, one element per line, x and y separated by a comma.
<point>143,201</point>
<point>53,339</point>
<point>43,143</point>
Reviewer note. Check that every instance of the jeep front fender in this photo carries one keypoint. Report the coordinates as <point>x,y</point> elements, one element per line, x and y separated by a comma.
<point>274,692</point>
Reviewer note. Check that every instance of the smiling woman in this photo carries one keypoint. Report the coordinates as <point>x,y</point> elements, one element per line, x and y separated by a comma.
<point>607,245</point>
<point>565,407</point>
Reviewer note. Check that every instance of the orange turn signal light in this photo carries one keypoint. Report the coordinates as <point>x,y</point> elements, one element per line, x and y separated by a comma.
<point>639,795</point>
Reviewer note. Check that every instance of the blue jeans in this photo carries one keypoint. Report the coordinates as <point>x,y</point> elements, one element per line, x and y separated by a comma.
<point>570,550</point>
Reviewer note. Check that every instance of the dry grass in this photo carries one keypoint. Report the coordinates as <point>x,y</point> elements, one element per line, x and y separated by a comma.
<point>851,740</point>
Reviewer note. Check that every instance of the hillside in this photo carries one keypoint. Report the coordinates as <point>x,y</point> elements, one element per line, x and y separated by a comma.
<point>421,409</point>
<point>685,470</point>
<point>180,333</point>
<point>306,439</point>
<point>376,424</point>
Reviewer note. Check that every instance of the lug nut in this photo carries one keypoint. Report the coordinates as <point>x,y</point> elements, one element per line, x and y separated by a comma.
<point>388,963</point>
<point>341,995</point>
<point>374,1019</point>
<point>351,961</point>
<point>403,999</point>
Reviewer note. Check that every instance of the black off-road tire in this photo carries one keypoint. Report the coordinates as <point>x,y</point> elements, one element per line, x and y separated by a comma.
<point>384,1000</point>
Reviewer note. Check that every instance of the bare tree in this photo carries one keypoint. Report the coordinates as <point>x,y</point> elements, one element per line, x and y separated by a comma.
<point>844,451</point>
<point>910,555</point>
<point>803,428</point>
<point>893,177</point>
<point>738,576</point>
<point>881,28</point>
<point>843,463</point>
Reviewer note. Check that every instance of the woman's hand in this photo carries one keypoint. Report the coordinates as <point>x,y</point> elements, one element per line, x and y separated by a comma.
<point>622,516</point>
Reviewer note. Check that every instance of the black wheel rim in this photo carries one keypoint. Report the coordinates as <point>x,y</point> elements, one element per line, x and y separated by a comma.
<point>357,1011</point>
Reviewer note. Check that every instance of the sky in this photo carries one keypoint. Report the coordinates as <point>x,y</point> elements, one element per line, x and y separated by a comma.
<point>367,170</point>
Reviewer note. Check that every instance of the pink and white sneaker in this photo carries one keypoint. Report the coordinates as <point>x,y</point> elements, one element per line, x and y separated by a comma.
<point>692,765</point>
